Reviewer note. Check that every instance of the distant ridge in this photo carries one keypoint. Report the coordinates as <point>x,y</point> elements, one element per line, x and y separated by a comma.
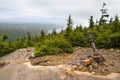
<point>19,30</point>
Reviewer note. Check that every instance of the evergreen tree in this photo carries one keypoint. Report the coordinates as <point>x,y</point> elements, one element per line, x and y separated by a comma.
<point>116,24</point>
<point>91,22</point>
<point>116,18</point>
<point>5,37</point>
<point>102,21</point>
<point>54,32</point>
<point>69,27</point>
<point>29,37</point>
<point>29,40</point>
<point>42,36</point>
<point>111,20</point>
<point>62,31</point>
<point>79,28</point>
<point>69,22</point>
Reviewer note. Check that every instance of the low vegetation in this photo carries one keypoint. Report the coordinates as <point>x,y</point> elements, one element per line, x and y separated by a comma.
<point>53,45</point>
<point>106,35</point>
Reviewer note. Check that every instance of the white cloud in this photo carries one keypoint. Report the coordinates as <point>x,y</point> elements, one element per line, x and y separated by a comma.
<point>54,10</point>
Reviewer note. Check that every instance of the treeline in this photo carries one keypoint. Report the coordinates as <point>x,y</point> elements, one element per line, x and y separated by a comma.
<point>106,35</point>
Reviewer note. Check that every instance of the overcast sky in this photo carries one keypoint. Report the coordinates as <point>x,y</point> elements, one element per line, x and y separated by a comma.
<point>54,11</point>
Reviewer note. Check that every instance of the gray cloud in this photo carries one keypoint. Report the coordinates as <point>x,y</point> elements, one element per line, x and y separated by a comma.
<point>55,10</point>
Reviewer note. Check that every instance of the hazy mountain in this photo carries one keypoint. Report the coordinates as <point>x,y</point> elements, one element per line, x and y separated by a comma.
<point>19,30</point>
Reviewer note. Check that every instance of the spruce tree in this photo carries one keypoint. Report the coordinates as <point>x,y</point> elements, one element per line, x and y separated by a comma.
<point>69,27</point>
<point>29,40</point>
<point>69,21</point>
<point>111,20</point>
<point>5,37</point>
<point>42,33</point>
<point>54,32</point>
<point>91,24</point>
<point>116,24</point>
<point>42,36</point>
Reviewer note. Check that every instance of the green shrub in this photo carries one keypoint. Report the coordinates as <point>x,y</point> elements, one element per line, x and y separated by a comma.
<point>54,46</point>
<point>77,39</point>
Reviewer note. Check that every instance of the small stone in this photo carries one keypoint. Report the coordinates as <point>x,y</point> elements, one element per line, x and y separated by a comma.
<point>32,55</point>
<point>73,67</point>
<point>79,47</point>
<point>80,67</point>
<point>103,70</point>
<point>106,64</point>
<point>2,64</point>
<point>111,49</point>
<point>118,51</point>
<point>106,69</point>
<point>78,64</point>
<point>28,50</point>
<point>93,72</point>
<point>76,48</point>
<point>90,68</point>
<point>112,64</point>
<point>48,62</point>
<point>87,61</point>
<point>94,65</point>
<point>118,71</point>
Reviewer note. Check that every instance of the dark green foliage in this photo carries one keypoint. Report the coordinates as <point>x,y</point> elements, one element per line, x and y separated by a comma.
<point>54,32</point>
<point>5,36</point>
<point>5,48</point>
<point>111,20</point>
<point>29,40</point>
<point>69,21</point>
<point>116,24</point>
<point>69,28</point>
<point>79,28</point>
<point>106,36</point>
<point>115,40</point>
<point>102,21</point>
<point>91,22</point>
<point>53,46</point>
<point>20,44</point>
<point>77,39</point>
<point>8,47</point>
<point>42,35</point>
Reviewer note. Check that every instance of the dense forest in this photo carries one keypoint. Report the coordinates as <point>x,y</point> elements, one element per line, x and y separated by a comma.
<point>106,35</point>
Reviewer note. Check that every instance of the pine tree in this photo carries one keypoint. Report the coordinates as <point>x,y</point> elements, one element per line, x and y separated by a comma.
<point>69,27</point>
<point>42,36</point>
<point>69,21</point>
<point>29,40</point>
<point>116,24</point>
<point>29,37</point>
<point>111,20</point>
<point>91,24</point>
<point>69,24</point>
<point>5,37</point>
<point>116,18</point>
<point>54,32</point>
<point>79,28</point>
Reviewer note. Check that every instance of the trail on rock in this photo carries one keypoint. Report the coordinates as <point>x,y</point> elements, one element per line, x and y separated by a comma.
<point>18,67</point>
